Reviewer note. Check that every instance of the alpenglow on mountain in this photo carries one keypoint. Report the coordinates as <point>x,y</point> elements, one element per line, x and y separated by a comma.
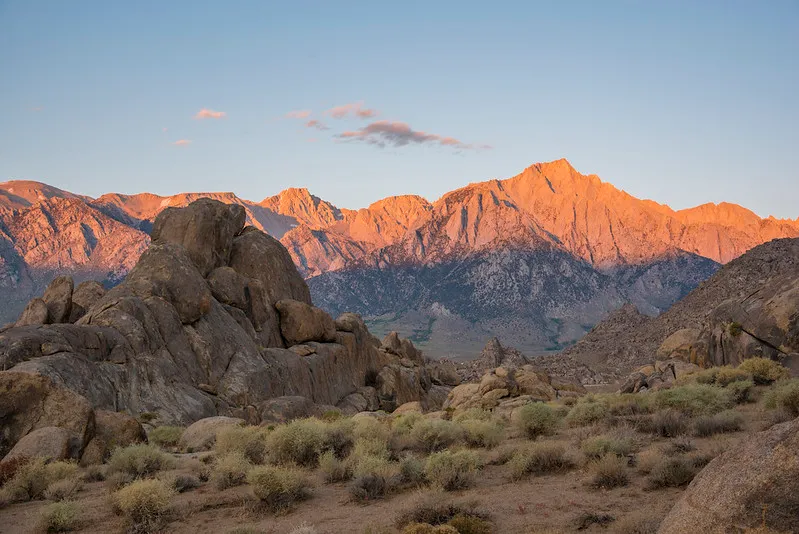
<point>536,259</point>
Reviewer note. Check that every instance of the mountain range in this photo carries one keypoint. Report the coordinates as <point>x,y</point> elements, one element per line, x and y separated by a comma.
<point>536,259</point>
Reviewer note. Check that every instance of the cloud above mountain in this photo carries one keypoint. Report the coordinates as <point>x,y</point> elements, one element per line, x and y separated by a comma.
<point>299,114</point>
<point>210,114</point>
<point>354,109</point>
<point>316,124</point>
<point>394,133</point>
<point>182,142</point>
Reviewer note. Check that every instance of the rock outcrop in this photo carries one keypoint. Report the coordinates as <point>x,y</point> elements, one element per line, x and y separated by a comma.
<point>751,486</point>
<point>202,326</point>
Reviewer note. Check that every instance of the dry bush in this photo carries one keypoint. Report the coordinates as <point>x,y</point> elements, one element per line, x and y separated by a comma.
<point>727,375</point>
<point>482,433</point>
<point>334,469</point>
<point>501,454</point>
<point>432,435</point>
<point>672,472</point>
<point>411,471</point>
<point>784,396</point>
<point>587,413</point>
<point>536,419</point>
<point>64,489</point>
<point>370,447</point>
<point>636,523</point>
<point>59,517</point>
<point>94,473</point>
<point>764,371</point>
<point>144,503</point>
<point>726,421</point>
<point>278,488</point>
<point>695,399</point>
<point>304,528</point>
<point>339,437</point>
<point>403,423</point>
<point>9,468</point>
<point>230,470</point>
<point>299,442</point>
<point>539,459</point>
<point>436,508</point>
<point>165,436</point>
<point>628,404</point>
<point>469,524</point>
<point>666,423</point>
<point>424,528</point>
<point>473,414</point>
<point>183,483</point>
<point>646,460</point>
<point>117,480</point>
<point>452,470</point>
<point>139,460</point>
<point>610,471</point>
<point>371,428</point>
<point>741,391</point>
<point>250,441</point>
<point>32,478</point>
<point>620,444</point>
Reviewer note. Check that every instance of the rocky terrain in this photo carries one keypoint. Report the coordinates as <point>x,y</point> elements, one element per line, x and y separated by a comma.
<point>545,254</point>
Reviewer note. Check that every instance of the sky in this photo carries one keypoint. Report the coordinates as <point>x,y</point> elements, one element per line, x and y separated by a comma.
<point>682,102</point>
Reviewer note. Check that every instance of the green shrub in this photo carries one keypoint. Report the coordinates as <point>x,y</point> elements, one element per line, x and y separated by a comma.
<point>741,390</point>
<point>452,470</point>
<point>117,480</point>
<point>250,441</point>
<point>435,434</point>
<point>403,423</point>
<point>482,433</point>
<point>278,488</point>
<point>183,483</point>
<point>469,524</point>
<point>695,399</point>
<point>539,459</point>
<point>370,447</point>
<point>586,413</point>
<point>59,517</point>
<point>299,442</point>
<point>672,472</point>
<point>784,395</point>
<point>598,446</point>
<point>728,375</point>
<point>434,508</point>
<point>230,470</point>
<point>338,437</point>
<point>411,470</point>
<point>32,479</point>
<point>368,487</point>
<point>628,404</point>
<point>139,460</point>
<point>371,428</point>
<point>726,421</point>
<point>144,503</point>
<point>473,414</point>
<point>536,419</point>
<point>764,370</point>
<point>610,471</point>
<point>667,424</point>
<point>64,489</point>
<point>334,469</point>
<point>165,436</point>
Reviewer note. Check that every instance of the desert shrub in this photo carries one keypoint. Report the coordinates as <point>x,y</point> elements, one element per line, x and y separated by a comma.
<point>764,371</point>
<point>672,472</point>
<point>59,517</point>
<point>501,454</point>
<point>403,423</point>
<point>304,528</point>
<point>371,428</point>
<point>334,469</point>
<point>9,468</point>
<point>144,503</point>
<point>703,376</point>
<point>728,375</point>
<point>741,391</point>
<point>424,528</point>
<point>435,434</point>
<point>117,480</point>
<point>183,483</point>
<point>482,433</point>
<point>249,441</point>
<point>64,489</point>
<point>667,424</point>
<point>536,419</point>
<point>647,460</point>
<point>628,404</point>
<point>598,446</point>
<point>94,473</point>
<point>338,437</point>
<point>32,478</point>
<point>139,460</point>
<point>473,414</point>
<point>539,459</point>
<point>610,471</point>
<point>230,470</point>
<point>278,488</point>
<point>695,399</point>
<point>165,436</point>
<point>370,447</point>
<point>784,395</point>
<point>469,524</point>
<point>586,413</point>
<point>411,471</point>
<point>434,508</point>
<point>299,442</point>
<point>726,421</point>
<point>369,487</point>
<point>637,523</point>
<point>452,470</point>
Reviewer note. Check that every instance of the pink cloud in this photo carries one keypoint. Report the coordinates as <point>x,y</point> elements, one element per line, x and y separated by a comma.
<point>182,142</point>
<point>299,114</point>
<point>316,124</point>
<point>210,114</point>
<point>355,109</point>
<point>398,134</point>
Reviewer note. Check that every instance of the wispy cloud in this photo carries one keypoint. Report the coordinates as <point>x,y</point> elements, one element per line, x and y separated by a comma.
<point>316,124</point>
<point>355,109</point>
<point>299,114</point>
<point>398,134</point>
<point>182,142</point>
<point>210,114</point>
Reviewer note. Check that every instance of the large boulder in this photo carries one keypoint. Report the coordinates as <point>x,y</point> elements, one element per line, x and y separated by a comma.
<point>402,347</point>
<point>286,408</point>
<point>301,322</point>
<point>205,228</point>
<point>201,435</point>
<point>112,429</point>
<point>261,256</point>
<point>35,313</point>
<point>29,402</point>
<point>750,486</point>
<point>58,297</point>
<point>229,287</point>
<point>85,295</point>
<point>50,442</point>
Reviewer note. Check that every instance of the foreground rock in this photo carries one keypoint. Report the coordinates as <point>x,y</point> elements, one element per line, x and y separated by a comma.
<point>204,325</point>
<point>751,486</point>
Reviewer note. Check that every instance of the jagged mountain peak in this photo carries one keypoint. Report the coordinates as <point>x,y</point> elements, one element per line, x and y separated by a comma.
<point>19,194</point>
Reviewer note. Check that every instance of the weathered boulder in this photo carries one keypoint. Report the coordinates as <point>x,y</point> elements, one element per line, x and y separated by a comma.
<point>402,347</point>
<point>228,287</point>
<point>29,402</point>
<point>747,487</point>
<point>463,396</point>
<point>444,373</point>
<point>678,344</point>
<point>201,435</point>
<point>58,297</point>
<point>112,429</point>
<point>286,408</point>
<point>262,257</point>
<point>85,295</point>
<point>49,442</point>
<point>530,382</point>
<point>301,322</point>
<point>409,407</point>
<point>35,313</point>
<point>205,228</point>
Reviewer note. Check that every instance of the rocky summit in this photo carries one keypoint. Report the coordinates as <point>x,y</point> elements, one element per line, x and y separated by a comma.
<point>212,320</point>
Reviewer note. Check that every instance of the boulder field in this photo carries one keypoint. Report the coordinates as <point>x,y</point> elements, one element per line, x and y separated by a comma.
<point>213,320</point>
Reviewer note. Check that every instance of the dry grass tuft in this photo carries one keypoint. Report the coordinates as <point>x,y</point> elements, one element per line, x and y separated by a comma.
<point>452,470</point>
<point>278,488</point>
<point>610,471</point>
<point>59,517</point>
<point>139,460</point>
<point>144,503</point>
<point>539,459</point>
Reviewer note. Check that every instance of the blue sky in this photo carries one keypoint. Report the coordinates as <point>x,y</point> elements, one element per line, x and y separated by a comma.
<point>681,102</point>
